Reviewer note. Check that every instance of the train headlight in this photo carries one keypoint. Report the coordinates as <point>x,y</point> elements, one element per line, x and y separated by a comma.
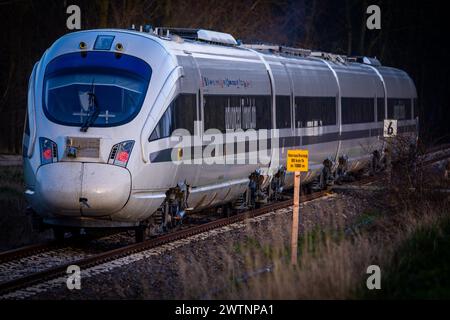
<point>119,47</point>
<point>120,153</point>
<point>49,151</point>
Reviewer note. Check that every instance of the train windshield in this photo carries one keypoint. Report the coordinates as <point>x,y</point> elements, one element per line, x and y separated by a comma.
<point>117,83</point>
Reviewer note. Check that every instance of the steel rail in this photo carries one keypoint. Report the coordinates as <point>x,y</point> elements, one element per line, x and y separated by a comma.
<point>27,251</point>
<point>57,271</point>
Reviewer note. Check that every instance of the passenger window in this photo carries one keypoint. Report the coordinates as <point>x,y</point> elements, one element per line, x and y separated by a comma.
<point>399,109</point>
<point>180,114</point>
<point>315,111</point>
<point>283,112</point>
<point>263,112</point>
<point>416,108</point>
<point>214,112</point>
<point>357,110</point>
<point>240,112</point>
<point>237,112</point>
<point>380,109</point>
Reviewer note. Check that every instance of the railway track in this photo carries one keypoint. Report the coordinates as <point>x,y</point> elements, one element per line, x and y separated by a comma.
<point>93,260</point>
<point>97,259</point>
<point>444,156</point>
<point>43,248</point>
<point>30,250</point>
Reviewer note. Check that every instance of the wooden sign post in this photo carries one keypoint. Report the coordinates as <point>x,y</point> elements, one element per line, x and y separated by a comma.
<point>297,161</point>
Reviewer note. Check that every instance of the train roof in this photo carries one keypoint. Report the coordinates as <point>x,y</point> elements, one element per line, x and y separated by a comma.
<point>221,46</point>
<point>213,42</point>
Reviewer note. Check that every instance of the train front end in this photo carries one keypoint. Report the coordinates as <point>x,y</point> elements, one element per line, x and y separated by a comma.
<point>88,96</point>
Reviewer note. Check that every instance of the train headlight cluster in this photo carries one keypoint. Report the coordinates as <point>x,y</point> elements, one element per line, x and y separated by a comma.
<point>120,153</point>
<point>49,151</point>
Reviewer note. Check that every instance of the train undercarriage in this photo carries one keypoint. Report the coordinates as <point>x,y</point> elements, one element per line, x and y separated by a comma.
<point>261,190</point>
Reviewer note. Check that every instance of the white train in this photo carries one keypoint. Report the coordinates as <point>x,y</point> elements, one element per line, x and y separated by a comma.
<point>102,105</point>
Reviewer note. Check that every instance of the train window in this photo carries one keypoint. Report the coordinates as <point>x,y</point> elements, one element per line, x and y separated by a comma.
<point>380,109</point>
<point>263,112</point>
<point>240,112</point>
<point>357,110</point>
<point>315,111</point>
<point>416,108</point>
<point>180,114</point>
<point>76,86</point>
<point>214,112</point>
<point>283,112</point>
<point>399,109</point>
<point>236,112</point>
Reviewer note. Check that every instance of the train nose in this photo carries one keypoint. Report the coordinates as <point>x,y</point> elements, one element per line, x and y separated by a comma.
<point>88,189</point>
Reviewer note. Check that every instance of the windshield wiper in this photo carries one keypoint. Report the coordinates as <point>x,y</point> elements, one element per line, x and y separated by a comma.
<point>94,115</point>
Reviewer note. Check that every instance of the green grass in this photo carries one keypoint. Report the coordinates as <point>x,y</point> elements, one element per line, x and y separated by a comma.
<point>421,267</point>
<point>366,219</point>
<point>251,244</point>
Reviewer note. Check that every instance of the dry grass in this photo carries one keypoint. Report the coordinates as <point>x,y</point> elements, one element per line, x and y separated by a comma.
<point>332,264</point>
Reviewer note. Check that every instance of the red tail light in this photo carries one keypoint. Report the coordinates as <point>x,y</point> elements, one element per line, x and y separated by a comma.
<point>123,156</point>
<point>47,154</point>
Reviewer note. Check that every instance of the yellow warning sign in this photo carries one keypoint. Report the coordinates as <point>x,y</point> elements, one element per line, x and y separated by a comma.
<point>297,160</point>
